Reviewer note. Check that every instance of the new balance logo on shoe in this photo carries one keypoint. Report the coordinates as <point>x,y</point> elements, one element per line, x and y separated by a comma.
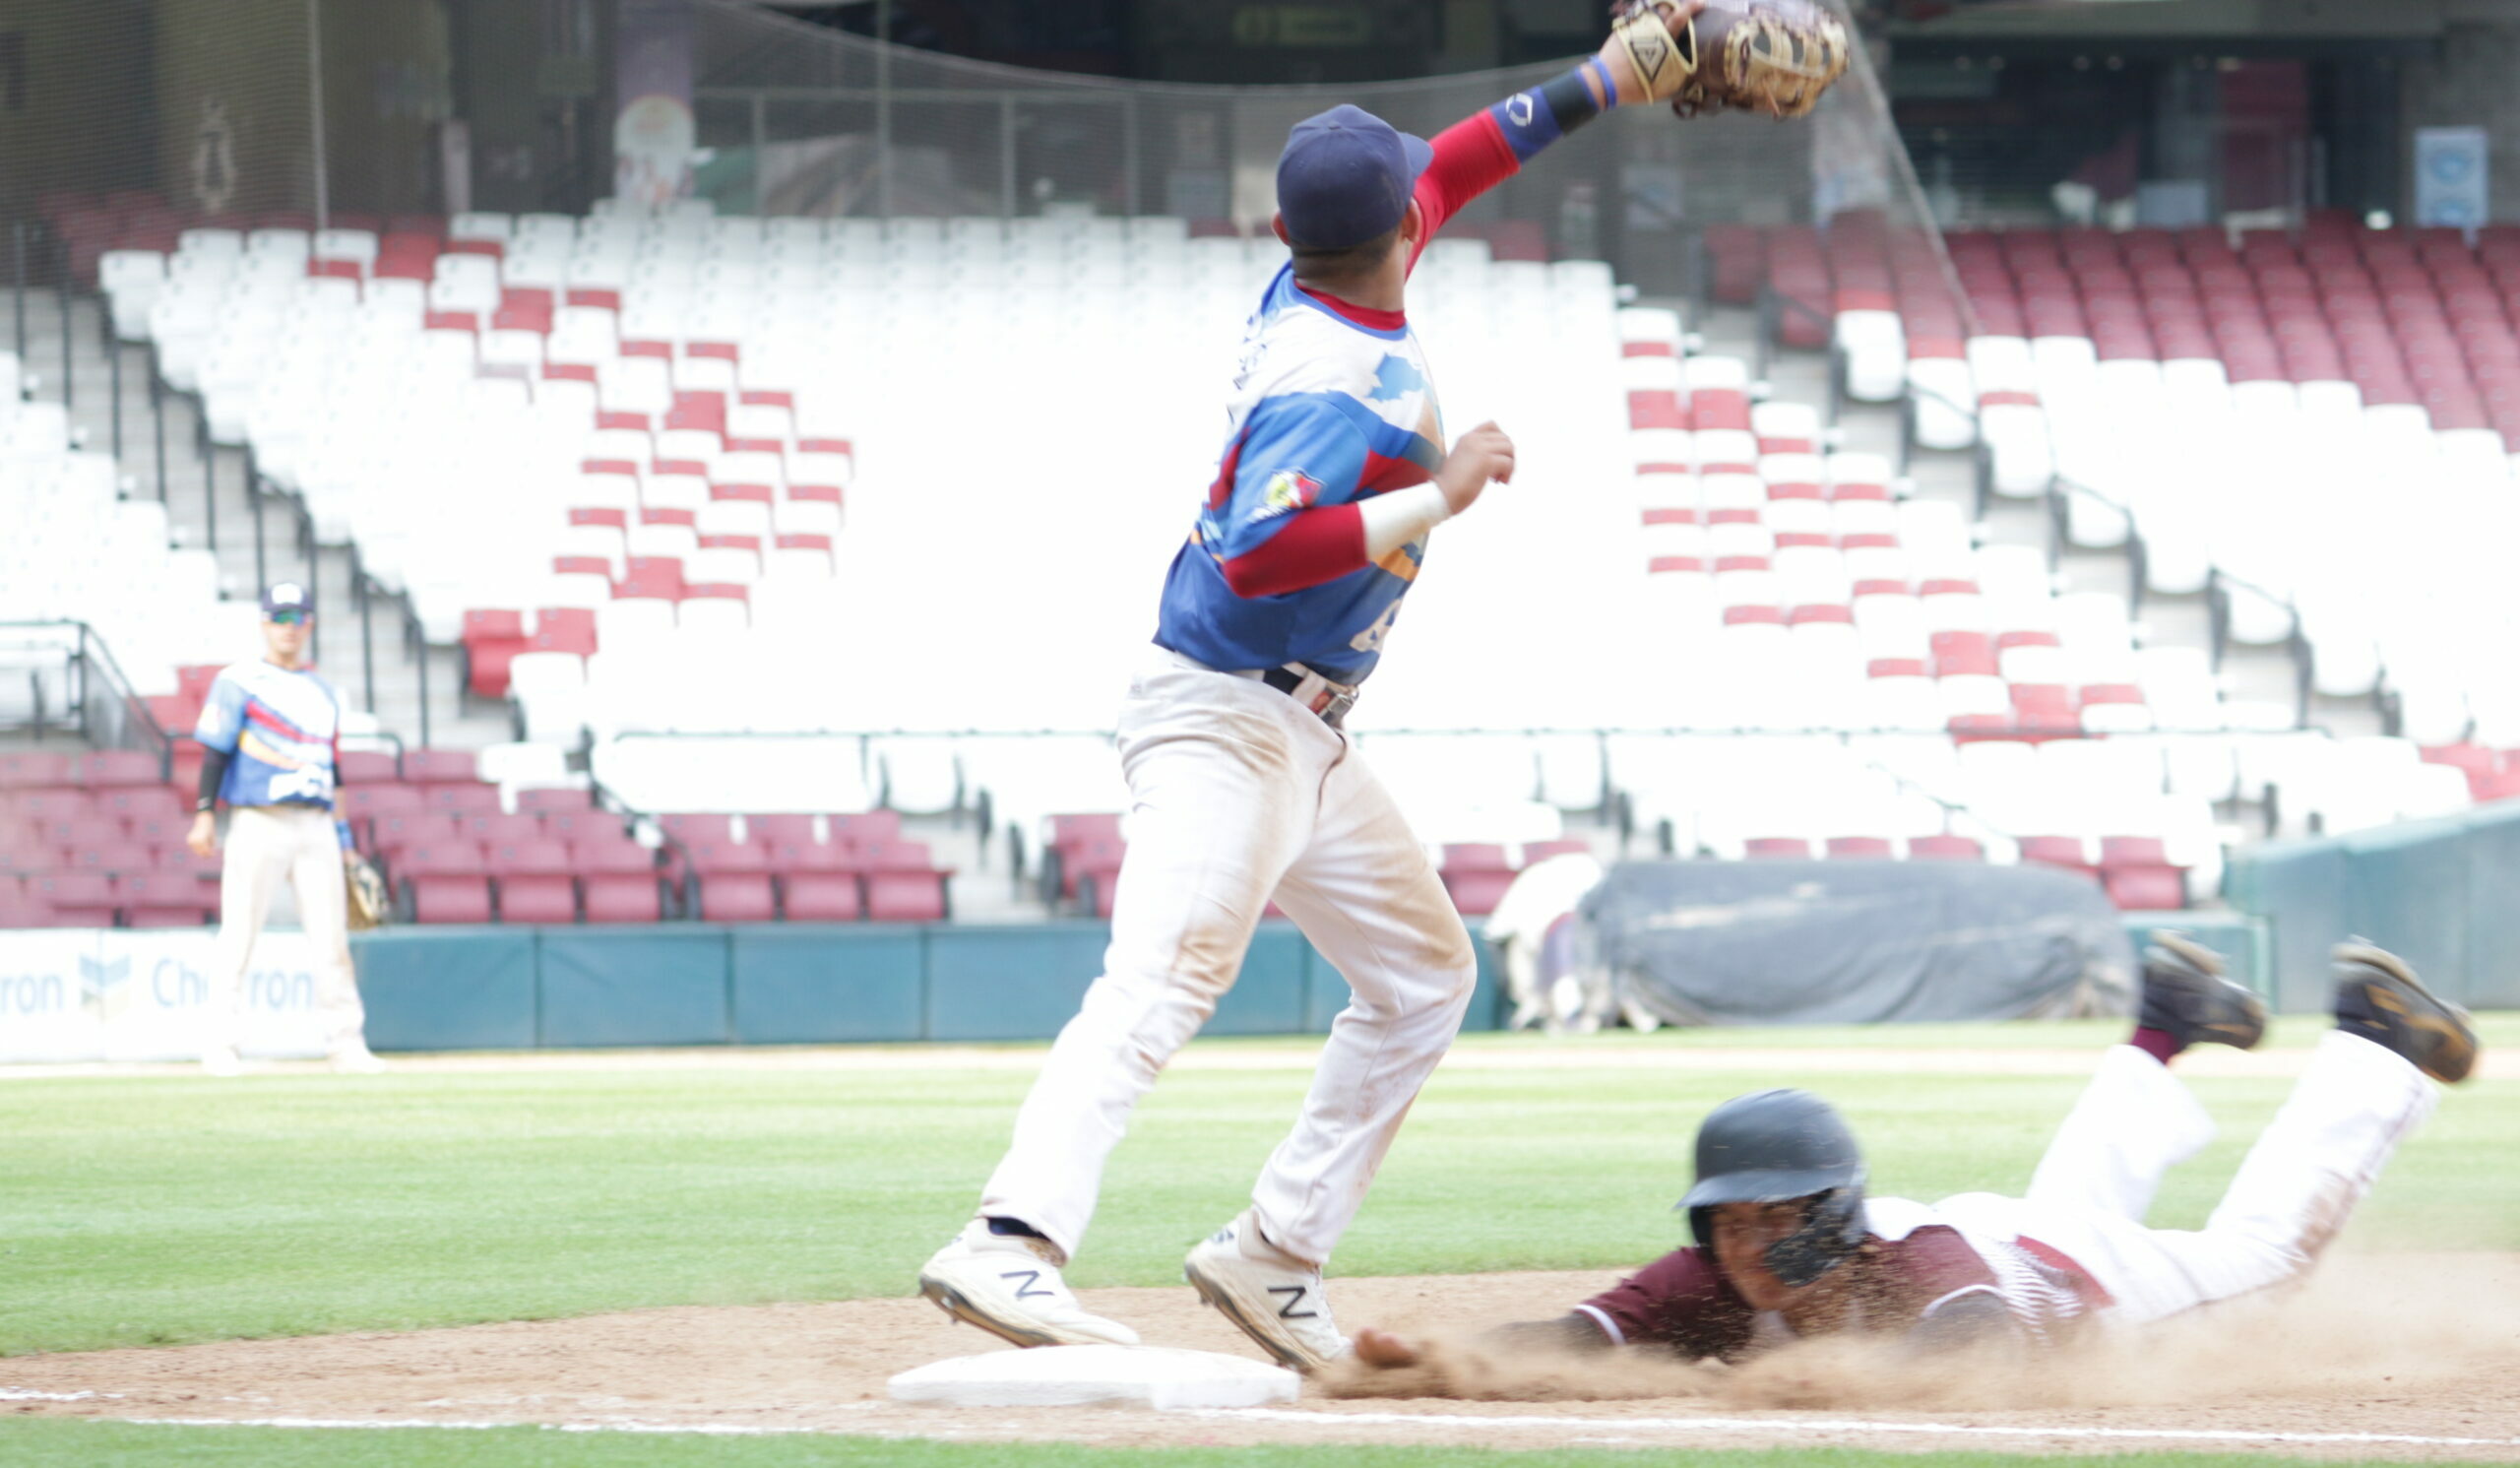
<point>1294,1295</point>
<point>1029,1288</point>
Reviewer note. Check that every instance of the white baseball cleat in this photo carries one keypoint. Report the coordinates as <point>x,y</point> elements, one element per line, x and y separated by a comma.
<point>1009,1286</point>
<point>1273,1296</point>
<point>220,1059</point>
<point>356,1059</point>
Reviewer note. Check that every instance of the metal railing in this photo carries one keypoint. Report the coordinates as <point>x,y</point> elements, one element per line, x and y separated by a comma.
<point>98,703</point>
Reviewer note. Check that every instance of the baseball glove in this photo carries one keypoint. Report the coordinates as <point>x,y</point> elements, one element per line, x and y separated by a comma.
<point>1770,56</point>
<point>366,891</point>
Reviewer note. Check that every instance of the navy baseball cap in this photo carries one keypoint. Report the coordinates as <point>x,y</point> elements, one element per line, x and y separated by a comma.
<point>287,596</point>
<point>1346,177</point>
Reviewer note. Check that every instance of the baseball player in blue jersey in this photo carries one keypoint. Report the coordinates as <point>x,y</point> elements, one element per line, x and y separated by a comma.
<point>1242,787</point>
<point>270,734</point>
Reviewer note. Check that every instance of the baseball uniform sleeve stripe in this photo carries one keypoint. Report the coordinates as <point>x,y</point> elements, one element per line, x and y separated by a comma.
<point>1610,1327</point>
<point>1309,549</point>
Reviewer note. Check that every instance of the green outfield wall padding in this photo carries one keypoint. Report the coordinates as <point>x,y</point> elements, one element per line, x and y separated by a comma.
<point>1267,997</point>
<point>648,985</point>
<point>2298,889</point>
<point>827,984</point>
<point>2240,939</point>
<point>772,983</point>
<point>448,988</point>
<point>2443,893</point>
<point>2493,907</point>
<point>990,983</point>
<point>2406,889</point>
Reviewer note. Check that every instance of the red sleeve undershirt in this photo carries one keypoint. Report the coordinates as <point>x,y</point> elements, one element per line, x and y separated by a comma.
<point>1322,544</point>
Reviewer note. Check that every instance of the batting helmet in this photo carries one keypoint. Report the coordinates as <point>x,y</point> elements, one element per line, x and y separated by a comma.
<point>1773,1147</point>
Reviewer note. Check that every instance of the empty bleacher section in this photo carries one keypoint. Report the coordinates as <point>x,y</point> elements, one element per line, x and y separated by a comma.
<point>791,568</point>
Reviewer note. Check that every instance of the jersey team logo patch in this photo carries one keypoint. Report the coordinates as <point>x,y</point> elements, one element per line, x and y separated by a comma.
<point>1289,490</point>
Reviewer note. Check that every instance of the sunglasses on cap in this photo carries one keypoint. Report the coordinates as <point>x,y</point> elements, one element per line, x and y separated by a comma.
<point>290,616</point>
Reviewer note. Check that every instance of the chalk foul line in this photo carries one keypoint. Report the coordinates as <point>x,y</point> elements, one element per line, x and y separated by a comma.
<point>1817,1424</point>
<point>1298,1416</point>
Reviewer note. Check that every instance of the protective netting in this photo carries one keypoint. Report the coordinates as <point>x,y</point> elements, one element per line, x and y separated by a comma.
<point>126,122</point>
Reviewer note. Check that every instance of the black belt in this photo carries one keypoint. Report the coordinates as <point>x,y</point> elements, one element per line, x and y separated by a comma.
<point>1331,706</point>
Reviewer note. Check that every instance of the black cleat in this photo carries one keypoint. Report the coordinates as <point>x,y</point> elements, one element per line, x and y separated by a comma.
<point>2378,998</point>
<point>2186,996</point>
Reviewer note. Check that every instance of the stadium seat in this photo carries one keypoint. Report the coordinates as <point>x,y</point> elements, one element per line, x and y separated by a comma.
<point>444,880</point>
<point>531,877</point>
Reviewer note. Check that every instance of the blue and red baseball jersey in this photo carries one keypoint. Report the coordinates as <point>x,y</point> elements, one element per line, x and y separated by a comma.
<point>280,727</point>
<point>1333,404</point>
<point>1329,410</point>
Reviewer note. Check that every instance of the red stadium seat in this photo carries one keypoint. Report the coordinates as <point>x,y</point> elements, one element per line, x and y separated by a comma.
<point>1540,851</point>
<point>85,833</point>
<point>77,898</point>
<point>1859,848</point>
<point>781,829</point>
<point>367,767</point>
<point>494,828</point>
<point>2059,851</point>
<point>902,886</point>
<point>361,802</point>
<point>1777,848</point>
<point>440,767</point>
<point>110,767</point>
<point>398,830</point>
<point>697,829</point>
<point>620,879</point>
<point>533,879</point>
<point>866,828</point>
<point>554,799</point>
<point>822,897</point>
<point>33,771</point>
<point>53,804</point>
<point>165,899</point>
<point>1477,876</point>
<point>445,881</point>
<point>461,800</point>
<point>2139,875</point>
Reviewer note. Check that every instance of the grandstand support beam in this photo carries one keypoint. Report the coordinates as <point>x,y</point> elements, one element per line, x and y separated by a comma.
<point>884,111</point>
<point>113,375</point>
<point>61,298</point>
<point>420,666</point>
<point>365,596</point>
<point>760,150</point>
<point>158,410</point>
<point>209,478</point>
<point>18,297</point>
<point>1129,148</point>
<point>1006,202</point>
<point>254,498</point>
<point>315,109</point>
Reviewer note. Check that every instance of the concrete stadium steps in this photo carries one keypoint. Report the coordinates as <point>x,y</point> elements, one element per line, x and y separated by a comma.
<point>203,486</point>
<point>2247,672</point>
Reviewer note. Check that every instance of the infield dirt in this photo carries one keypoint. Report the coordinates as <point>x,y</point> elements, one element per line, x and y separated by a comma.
<point>2424,1346</point>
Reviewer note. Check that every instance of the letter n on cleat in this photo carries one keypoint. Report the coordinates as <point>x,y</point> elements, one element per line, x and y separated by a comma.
<point>1029,1289</point>
<point>1294,1295</point>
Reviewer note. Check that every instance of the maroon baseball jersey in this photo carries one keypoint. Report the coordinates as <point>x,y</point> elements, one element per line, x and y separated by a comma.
<point>1910,1265</point>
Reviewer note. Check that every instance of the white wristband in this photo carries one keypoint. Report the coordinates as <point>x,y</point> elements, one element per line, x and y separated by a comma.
<point>1396,519</point>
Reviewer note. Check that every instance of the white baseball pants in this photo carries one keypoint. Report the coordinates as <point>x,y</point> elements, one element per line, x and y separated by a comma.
<point>268,844</point>
<point>2315,1161</point>
<point>1237,793</point>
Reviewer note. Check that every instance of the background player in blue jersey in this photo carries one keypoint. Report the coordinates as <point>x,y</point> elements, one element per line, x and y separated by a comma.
<point>1243,789</point>
<point>270,734</point>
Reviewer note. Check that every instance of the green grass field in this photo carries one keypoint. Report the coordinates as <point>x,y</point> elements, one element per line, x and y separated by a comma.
<point>176,1208</point>
<point>78,1445</point>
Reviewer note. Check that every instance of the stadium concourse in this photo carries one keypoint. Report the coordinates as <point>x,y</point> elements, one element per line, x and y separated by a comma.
<point>758,536</point>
